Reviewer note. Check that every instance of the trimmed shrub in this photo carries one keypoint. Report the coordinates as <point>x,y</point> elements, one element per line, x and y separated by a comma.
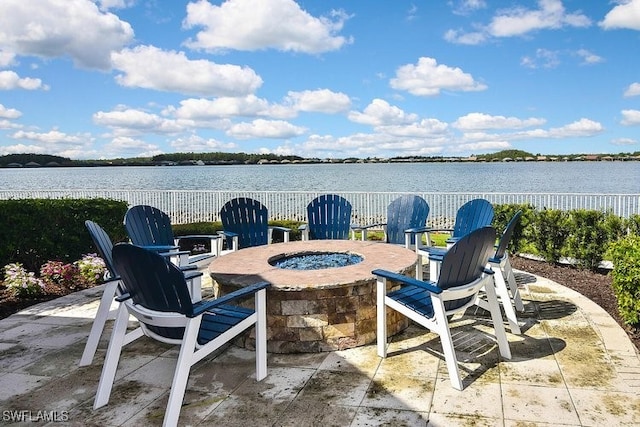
<point>549,233</point>
<point>632,224</point>
<point>522,231</point>
<point>626,278</point>
<point>587,241</point>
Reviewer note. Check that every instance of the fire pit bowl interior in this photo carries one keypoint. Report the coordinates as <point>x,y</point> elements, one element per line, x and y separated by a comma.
<point>315,260</point>
<point>322,309</point>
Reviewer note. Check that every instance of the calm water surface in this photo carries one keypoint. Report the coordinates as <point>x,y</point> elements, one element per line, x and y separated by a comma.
<point>542,177</point>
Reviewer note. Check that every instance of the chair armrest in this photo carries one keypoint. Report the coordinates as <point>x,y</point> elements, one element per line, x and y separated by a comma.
<point>366,227</point>
<point>223,233</point>
<point>198,236</point>
<point>277,227</point>
<point>205,305</point>
<point>436,230</point>
<point>191,274</point>
<point>161,248</point>
<point>415,230</point>
<point>428,286</point>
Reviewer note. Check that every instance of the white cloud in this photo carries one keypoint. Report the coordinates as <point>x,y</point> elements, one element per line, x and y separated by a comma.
<point>22,148</point>
<point>131,147</point>
<point>132,122</point>
<point>481,146</point>
<point>152,68</point>
<point>625,15</point>
<point>74,28</point>
<point>630,117</point>
<point>479,121</point>
<point>379,112</point>
<point>9,113</point>
<point>632,90</point>
<point>261,128</point>
<point>551,14</point>
<point>202,109</point>
<point>10,80</point>
<point>544,58</point>
<point>195,144</point>
<point>54,136</point>
<point>262,24</point>
<point>116,4</point>
<point>580,128</point>
<point>624,141</point>
<point>465,7</point>
<point>519,21</point>
<point>588,57</point>
<point>467,38</point>
<point>426,128</point>
<point>320,101</point>
<point>6,58</point>
<point>428,78</point>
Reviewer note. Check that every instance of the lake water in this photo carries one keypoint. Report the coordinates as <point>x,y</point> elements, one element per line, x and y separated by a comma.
<point>521,177</point>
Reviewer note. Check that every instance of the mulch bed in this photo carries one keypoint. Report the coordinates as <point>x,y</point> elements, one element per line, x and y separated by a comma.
<point>594,285</point>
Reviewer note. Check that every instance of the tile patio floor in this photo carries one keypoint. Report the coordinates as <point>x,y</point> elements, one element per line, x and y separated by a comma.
<point>573,366</point>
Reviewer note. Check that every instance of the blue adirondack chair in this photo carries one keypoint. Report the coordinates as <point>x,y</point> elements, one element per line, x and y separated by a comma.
<point>159,298</point>
<point>406,219</point>
<point>246,223</point>
<point>328,217</point>
<point>472,215</point>
<point>150,228</point>
<point>504,281</point>
<point>431,304</point>
<point>114,287</point>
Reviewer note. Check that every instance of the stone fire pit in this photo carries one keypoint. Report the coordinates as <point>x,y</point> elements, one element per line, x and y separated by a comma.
<point>322,309</point>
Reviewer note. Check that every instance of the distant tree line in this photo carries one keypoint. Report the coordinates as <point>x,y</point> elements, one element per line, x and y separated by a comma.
<point>219,158</point>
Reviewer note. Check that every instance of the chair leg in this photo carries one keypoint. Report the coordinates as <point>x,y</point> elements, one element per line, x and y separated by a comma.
<point>513,285</point>
<point>261,334</point>
<point>181,374</point>
<point>98,322</point>
<point>381,312</point>
<point>505,298</point>
<point>434,270</point>
<point>114,350</point>
<point>447,343</point>
<point>496,317</point>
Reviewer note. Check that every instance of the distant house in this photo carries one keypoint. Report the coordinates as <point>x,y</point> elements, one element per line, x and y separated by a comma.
<point>14,165</point>
<point>32,165</point>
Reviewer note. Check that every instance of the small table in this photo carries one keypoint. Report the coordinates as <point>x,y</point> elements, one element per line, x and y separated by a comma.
<point>316,310</point>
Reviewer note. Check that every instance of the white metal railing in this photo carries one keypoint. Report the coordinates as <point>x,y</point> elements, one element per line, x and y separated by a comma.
<point>186,206</point>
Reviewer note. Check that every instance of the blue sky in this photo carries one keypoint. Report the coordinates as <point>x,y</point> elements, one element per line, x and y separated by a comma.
<point>377,78</point>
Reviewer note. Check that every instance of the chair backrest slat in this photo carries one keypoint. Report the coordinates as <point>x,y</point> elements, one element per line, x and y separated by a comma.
<point>249,219</point>
<point>474,214</point>
<point>152,280</point>
<point>408,211</point>
<point>103,243</point>
<point>148,226</point>
<point>466,259</point>
<point>329,217</point>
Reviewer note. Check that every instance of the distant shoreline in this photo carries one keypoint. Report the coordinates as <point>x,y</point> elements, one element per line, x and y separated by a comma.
<point>541,159</point>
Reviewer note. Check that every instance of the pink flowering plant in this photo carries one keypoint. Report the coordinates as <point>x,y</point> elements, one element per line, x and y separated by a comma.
<point>91,269</point>
<point>22,283</point>
<point>59,274</point>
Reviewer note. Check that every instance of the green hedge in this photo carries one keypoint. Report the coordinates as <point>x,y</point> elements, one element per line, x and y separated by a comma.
<point>34,231</point>
<point>626,278</point>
